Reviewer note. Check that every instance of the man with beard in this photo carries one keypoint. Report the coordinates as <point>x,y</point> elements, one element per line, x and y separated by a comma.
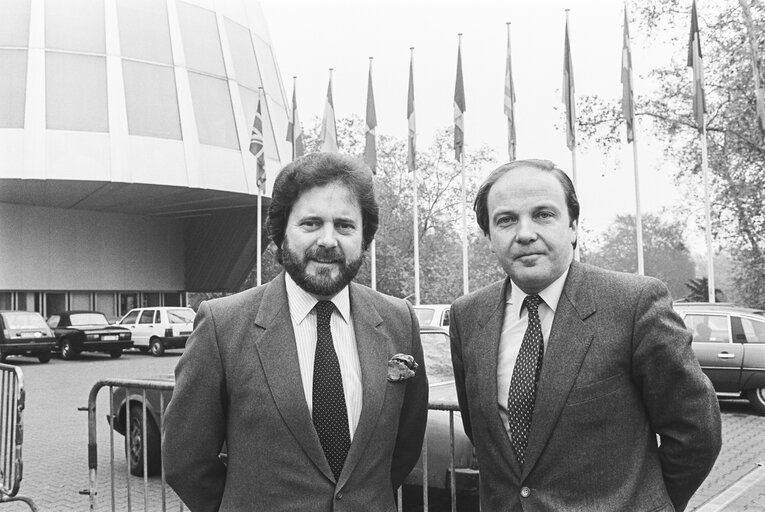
<point>316,385</point>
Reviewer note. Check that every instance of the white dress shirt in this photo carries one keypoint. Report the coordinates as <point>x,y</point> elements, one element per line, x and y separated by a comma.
<point>514,326</point>
<point>303,315</point>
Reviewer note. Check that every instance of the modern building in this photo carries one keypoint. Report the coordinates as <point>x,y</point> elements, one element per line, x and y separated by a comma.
<point>125,172</point>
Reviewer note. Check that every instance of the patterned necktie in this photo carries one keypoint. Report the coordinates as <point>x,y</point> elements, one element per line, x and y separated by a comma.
<point>523,384</point>
<point>330,415</point>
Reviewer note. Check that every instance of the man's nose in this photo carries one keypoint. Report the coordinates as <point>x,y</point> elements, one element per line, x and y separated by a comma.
<point>327,236</point>
<point>526,231</point>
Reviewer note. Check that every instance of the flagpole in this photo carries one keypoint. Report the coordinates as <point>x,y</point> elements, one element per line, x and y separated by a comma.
<point>465,277</point>
<point>415,220</point>
<point>707,212</point>
<point>258,233</point>
<point>638,215</point>
<point>570,103</point>
<point>294,128</point>
<point>373,247</point>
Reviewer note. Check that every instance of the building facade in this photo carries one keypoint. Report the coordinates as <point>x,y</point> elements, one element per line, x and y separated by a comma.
<point>125,172</point>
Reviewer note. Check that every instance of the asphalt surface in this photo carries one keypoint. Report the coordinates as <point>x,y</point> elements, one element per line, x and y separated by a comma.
<point>55,451</point>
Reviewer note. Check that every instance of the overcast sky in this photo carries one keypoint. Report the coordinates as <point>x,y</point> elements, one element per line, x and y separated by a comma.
<point>310,37</point>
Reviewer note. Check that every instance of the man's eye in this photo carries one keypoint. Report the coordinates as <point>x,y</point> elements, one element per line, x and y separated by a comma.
<point>345,227</point>
<point>545,214</point>
<point>504,221</point>
<point>310,224</point>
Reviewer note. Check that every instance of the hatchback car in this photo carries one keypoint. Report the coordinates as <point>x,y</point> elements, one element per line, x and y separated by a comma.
<point>88,331</point>
<point>436,347</point>
<point>432,315</point>
<point>25,333</point>
<point>729,342</point>
<point>159,328</point>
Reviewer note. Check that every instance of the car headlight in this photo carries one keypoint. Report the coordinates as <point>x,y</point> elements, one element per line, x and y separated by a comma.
<point>92,337</point>
<point>124,335</point>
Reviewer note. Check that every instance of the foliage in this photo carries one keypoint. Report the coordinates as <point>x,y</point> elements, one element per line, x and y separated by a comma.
<point>734,135</point>
<point>665,255</point>
<point>698,291</point>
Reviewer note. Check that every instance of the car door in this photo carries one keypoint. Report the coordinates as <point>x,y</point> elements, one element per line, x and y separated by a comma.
<point>144,327</point>
<point>753,337</point>
<point>719,357</point>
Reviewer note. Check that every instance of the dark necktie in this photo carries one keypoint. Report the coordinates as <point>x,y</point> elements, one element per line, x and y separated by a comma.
<point>523,384</point>
<point>330,416</point>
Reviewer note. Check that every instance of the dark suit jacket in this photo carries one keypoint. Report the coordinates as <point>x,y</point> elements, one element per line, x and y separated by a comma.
<point>239,382</point>
<point>618,370</point>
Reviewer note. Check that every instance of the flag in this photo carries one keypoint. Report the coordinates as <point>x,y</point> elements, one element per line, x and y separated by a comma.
<point>628,101</point>
<point>410,156</point>
<point>328,134</point>
<point>459,109</point>
<point>510,101</point>
<point>294,130</point>
<point>695,61</point>
<point>370,148</point>
<point>568,93</point>
<point>256,148</point>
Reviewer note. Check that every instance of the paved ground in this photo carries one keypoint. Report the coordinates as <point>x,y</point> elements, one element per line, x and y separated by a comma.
<point>56,441</point>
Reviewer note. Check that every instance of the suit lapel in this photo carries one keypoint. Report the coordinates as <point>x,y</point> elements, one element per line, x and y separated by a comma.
<point>487,349</point>
<point>372,347</point>
<point>570,339</point>
<point>275,342</point>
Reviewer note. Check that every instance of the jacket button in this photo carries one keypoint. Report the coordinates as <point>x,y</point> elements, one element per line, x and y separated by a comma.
<point>525,492</point>
<point>339,496</point>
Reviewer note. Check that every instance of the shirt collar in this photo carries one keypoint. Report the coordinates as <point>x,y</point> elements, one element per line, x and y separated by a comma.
<point>301,303</point>
<point>551,294</point>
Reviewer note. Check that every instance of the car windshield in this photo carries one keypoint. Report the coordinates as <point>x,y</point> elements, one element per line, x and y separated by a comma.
<point>424,316</point>
<point>438,359</point>
<point>180,316</point>
<point>25,321</point>
<point>87,319</point>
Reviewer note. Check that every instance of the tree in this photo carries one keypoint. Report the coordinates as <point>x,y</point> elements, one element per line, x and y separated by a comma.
<point>734,132</point>
<point>698,291</point>
<point>665,255</point>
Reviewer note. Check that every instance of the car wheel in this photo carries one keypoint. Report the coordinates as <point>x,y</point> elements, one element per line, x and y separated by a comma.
<point>157,347</point>
<point>134,444</point>
<point>757,399</point>
<point>115,354</point>
<point>44,357</point>
<point>67,350</point>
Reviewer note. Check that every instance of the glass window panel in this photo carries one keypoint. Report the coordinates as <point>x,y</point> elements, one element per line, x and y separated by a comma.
<point>75,25</point>
<point>144,32</point>
<point>6,300</point>
<point>106,304</point>
<point>270,72</point>
<point>79,301</point>
<point>147,317</point>
<point>172,299</point>
<point>151,299</point>
<point>14,23</point>
<point>213,111</point>
<point>243,54</point>
<point>152,103</point>
<point>13,88</point>
<point>75,92</point>
<point>128,301</point>
<point>201,41</point>
<point>708,328</point>
<point>754,330</point>
<point>55,303</point>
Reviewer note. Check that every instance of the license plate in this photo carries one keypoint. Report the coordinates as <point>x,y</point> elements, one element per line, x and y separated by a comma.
<point>110,337</point>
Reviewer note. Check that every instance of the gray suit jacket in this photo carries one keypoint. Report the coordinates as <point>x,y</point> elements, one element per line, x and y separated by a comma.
<point>239,382</point>
<point>617,371</point>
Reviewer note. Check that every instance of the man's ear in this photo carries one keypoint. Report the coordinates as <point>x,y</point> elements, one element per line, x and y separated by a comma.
<point>573,227</point>
<point>487,236</point>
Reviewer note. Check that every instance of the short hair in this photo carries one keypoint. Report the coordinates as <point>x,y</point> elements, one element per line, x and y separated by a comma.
<point>318,170</point>
<point>481,207</point>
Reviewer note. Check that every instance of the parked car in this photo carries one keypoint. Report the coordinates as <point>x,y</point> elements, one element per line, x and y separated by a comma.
<point>438,363</point>
<point>729,342</point>
<point>87,331</point>
<point>432,315</point>
<point>159,328</point>
<point>25,333</point>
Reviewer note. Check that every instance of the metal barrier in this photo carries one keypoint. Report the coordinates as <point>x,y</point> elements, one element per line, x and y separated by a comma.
<point>151,397</point>
<point>11,434</point>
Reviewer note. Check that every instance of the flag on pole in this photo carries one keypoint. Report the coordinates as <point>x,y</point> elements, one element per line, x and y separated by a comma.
<point>568,92</point>
<point>695,61</point>
<point>459,108</point>
<point>294,130</point>
<point>628,100</point>
<point>256,148</point>
<point>410,157</point>
<point>328,134</point>
<point>510,101</point>
<point>370,147</point>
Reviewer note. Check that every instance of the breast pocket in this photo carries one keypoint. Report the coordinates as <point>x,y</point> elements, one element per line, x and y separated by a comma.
<point>597,390</point>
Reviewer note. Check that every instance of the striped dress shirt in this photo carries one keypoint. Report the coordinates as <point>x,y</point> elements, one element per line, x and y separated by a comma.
<point>303,315</point>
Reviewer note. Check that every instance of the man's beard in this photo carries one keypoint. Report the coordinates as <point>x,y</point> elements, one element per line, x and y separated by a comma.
<point>322,283</point>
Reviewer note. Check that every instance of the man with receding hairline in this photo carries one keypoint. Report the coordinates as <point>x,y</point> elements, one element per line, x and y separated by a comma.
<point>577,385</point>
